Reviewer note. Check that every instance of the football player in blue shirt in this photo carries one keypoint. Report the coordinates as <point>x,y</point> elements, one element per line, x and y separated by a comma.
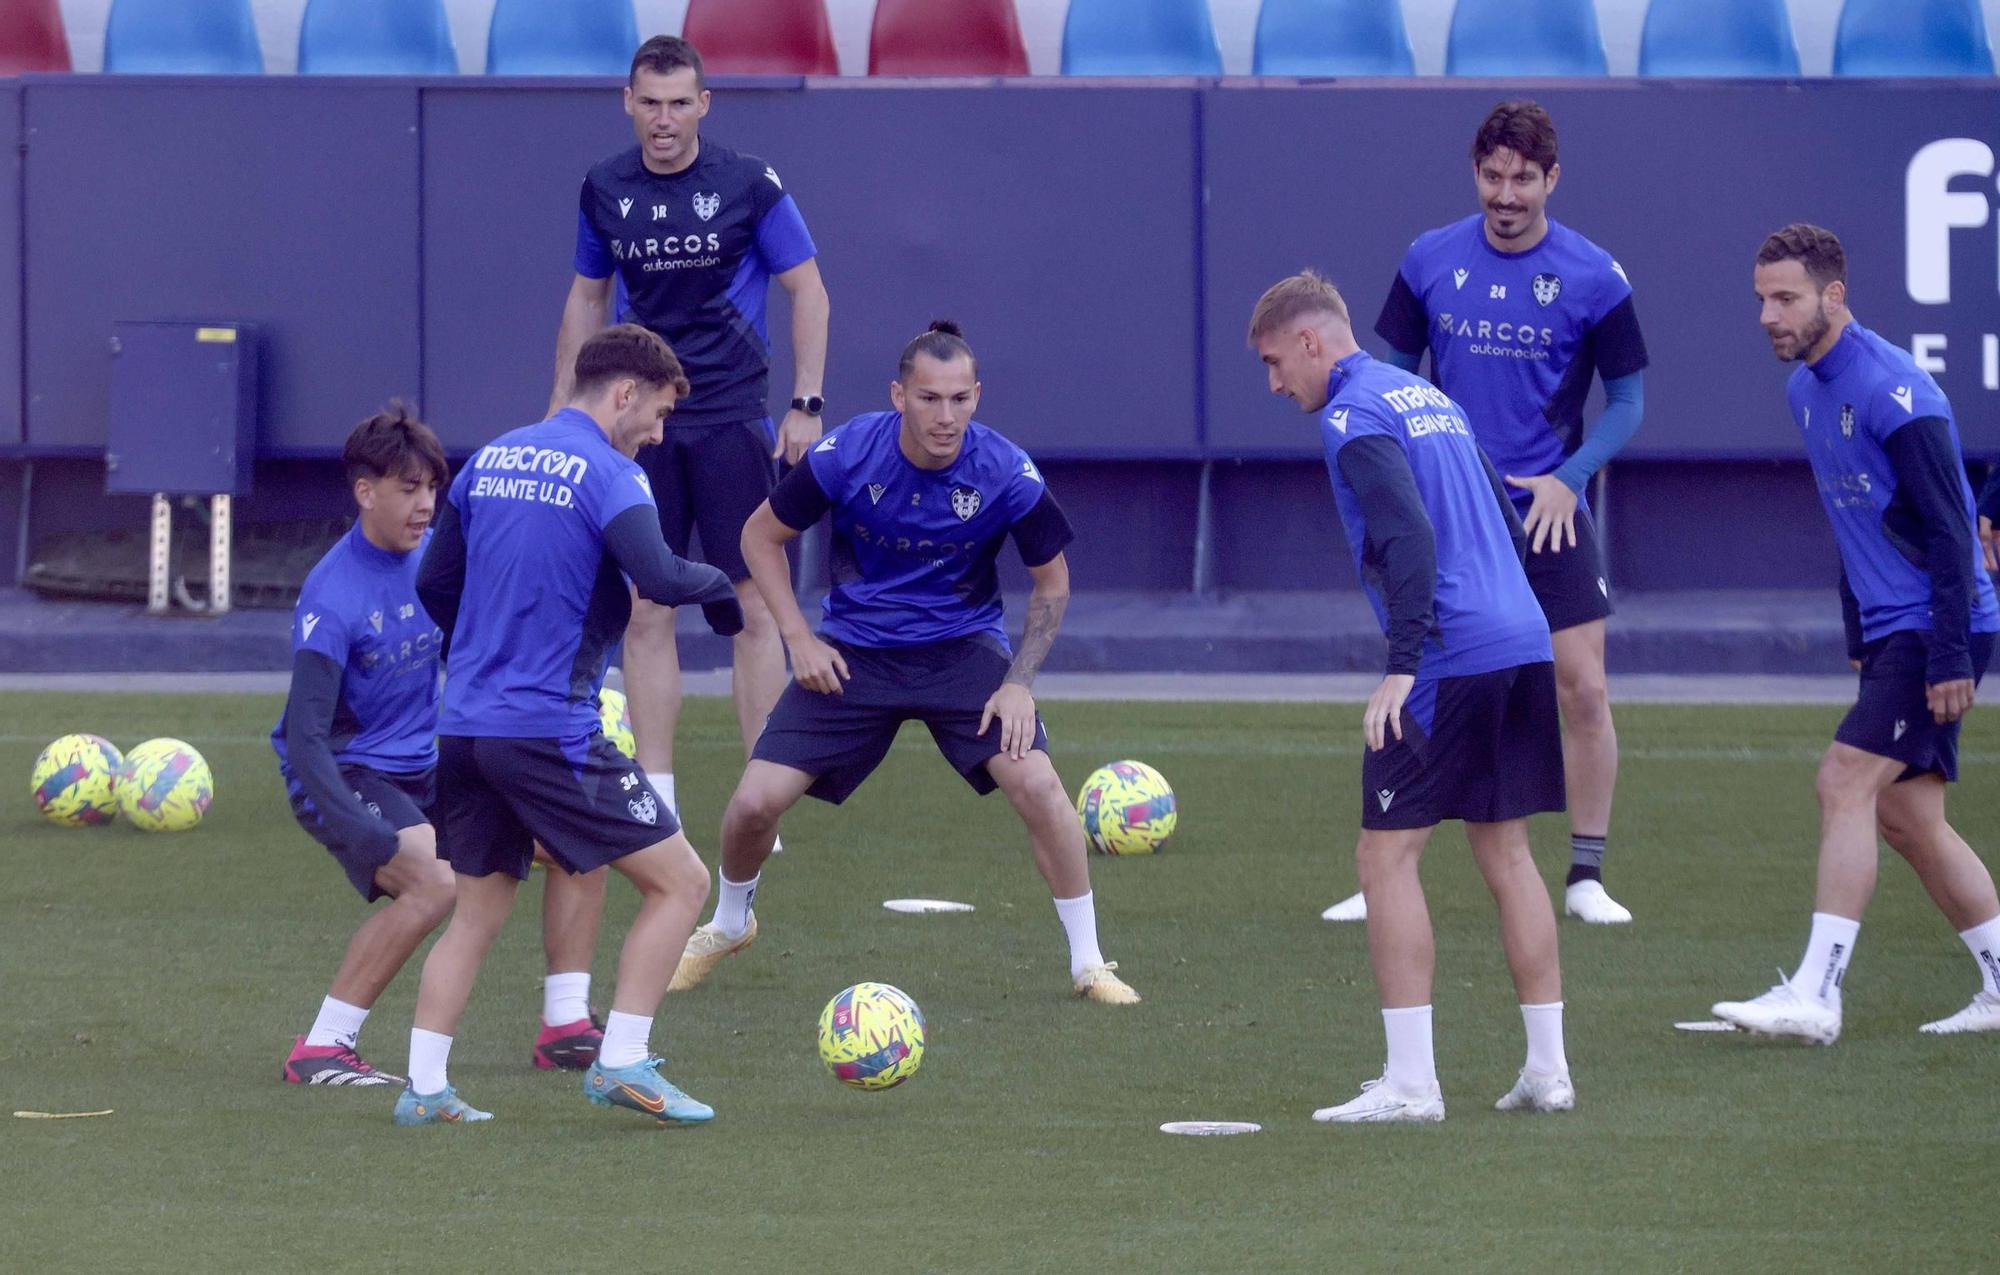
<point>1463,725</point>
<point>1989,515</point>
<point>1518,312</point>
<point>686,235</point>
<point>357,743</point>
<point>922,498</point>
<point>528,573</point>
<point>1920,617</point>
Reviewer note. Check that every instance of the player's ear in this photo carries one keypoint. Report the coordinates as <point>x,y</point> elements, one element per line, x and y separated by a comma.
<point>701,105</point>
<point>1555,172</point>
<point>896,395</point>
<point>1836,293</point>
<point>364,492</point>
<point>628,100</point>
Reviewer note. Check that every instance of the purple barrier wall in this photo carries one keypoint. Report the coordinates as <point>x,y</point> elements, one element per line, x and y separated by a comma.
<point>10,273</point>
<point>1680,181</point>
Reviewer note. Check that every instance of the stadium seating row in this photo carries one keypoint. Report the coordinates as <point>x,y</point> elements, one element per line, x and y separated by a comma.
<point>1503,38</point>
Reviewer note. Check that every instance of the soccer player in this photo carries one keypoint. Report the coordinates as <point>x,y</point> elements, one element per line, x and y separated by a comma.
<point>1463,725</point>
<point>527,573</point>
<point>922,498</point>
<point>1518,311</point>
<point>1989,515</point>
<point>1920,617</point>
<point>357,742</point>
<point>688,233</point>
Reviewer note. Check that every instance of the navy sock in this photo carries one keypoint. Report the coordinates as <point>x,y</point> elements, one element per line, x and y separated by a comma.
<point>1586,859</point>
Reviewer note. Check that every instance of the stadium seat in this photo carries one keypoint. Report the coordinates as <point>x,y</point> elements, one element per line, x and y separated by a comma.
<point>1139,37</point>
<point>376,37</point>
<point>32,38</point>
<point>1332,37</point>
<point>182,37</point>
<point>1524,37</point>
<point>1911,37</point>
<point>577,37</point>
<point>1718,37</point>
<point>923,37</point>
<point>762,37</point>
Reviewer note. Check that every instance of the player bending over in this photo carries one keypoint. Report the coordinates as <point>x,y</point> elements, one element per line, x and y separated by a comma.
<point>922,498</point>
<point>1920,618</point>
<point>528,574</point>
<point>1463,725</point>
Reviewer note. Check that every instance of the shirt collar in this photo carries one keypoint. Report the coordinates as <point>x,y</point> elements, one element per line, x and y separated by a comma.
<point>371,554</point>
<point>1337,379</point>
<point>1846,347</point>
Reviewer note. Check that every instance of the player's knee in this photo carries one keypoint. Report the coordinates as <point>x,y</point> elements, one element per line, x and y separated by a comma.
<point>1037,787</point>
<point>1841,785</point>
<point>688,877</point>
<point>1585,699</point>
<point>754,807</point>
<point>758,622</point>
<point>651,626</point>
<point>433,893</point>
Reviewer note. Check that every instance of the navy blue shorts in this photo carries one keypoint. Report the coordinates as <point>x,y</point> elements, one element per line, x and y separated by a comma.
<point>401,801</point>
<point>585,801</point>
<point>1890,718</point>
<point>841,739</point>
<point>710,478</point>
<point>1571,585</point>
<point>1484,748</point>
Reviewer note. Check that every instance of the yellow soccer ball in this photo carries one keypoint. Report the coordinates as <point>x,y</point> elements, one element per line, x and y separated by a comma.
<point>871,1036</point>
<point>165,786</point>
<point>74,782</point>
<point>1127,808</point>
<point>616,716</point>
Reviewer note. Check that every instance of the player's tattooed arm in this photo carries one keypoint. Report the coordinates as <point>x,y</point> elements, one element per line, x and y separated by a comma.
<point>1045,615</point>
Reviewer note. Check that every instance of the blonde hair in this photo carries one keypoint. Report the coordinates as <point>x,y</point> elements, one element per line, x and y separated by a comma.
<point>1287,301</point>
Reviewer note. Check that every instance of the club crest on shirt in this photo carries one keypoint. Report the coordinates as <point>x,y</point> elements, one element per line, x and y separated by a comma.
<point>705,205</point>
<point>1547,288</point>
<point>965,502</point>
<point>875,491</point>
<point>1847,420</point>
<point>375,620</point>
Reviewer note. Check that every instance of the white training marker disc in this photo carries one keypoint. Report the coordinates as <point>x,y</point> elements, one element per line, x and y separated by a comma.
<point>925,905</point>
<point>1209,1128</point>
<point>1705,1025</point>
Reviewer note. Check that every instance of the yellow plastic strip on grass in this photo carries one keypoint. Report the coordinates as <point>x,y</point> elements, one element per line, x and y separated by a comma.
<point>58,1115</point>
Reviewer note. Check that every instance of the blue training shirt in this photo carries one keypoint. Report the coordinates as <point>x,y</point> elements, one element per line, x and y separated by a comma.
<point>1847,405</point>
<point>694,253</point>
<point>1487,617</point>
<point>915,550</point>
<point>543,602</point>
<point>1515,337</point>
<point>359,609</point>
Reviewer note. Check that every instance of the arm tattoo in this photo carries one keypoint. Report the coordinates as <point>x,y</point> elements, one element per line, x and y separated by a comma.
<point>1045,613</point>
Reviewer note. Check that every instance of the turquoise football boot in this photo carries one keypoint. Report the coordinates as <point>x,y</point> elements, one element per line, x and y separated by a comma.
<point>414,1108</point>
<point>641,1088</point>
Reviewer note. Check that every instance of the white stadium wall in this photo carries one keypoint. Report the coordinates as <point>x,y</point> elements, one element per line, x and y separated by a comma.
<point>1041,24</point>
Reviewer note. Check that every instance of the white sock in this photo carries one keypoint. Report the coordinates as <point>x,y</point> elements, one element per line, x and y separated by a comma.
<point>1079,922</point>
<point>625,1039</point>
<point>732,904</point>
<point>663,784</point>
<point>565,998</point>
<point>1984,940</point>
<point>1412,1067</point>
<point>428,1053</point>
<point>338,1023</point>
<point>1545,1038</point>
<point>1828,951</point>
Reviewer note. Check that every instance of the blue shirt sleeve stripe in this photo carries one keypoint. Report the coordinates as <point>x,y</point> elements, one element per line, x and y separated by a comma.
<point>782,238</point>
<point>593,259</point>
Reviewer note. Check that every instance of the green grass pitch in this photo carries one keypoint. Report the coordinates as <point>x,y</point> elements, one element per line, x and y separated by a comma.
<point>164,976</point>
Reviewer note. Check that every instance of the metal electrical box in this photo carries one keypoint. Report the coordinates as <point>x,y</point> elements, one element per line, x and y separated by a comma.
<point>183,409</point>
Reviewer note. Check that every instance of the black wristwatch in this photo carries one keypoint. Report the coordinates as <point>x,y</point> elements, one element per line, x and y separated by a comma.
<point>811,404</point>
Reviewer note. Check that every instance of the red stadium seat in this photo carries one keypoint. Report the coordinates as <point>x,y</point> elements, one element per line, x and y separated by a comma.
<point>762,37</point>
<point>32,38</point>
<point>923,37</point>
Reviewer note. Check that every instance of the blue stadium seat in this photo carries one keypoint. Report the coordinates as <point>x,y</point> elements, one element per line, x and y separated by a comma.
<point>1139,37</point>
<point>1718,37</point>
<point>1332,37</point>
<point>577,37</point>
<point>376,37</point>
<point>182,37</point>
<point>1524,37</point>
<point>1911,37</point>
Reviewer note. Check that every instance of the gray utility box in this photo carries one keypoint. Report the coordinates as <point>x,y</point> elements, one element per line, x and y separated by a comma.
<point>183,409</point>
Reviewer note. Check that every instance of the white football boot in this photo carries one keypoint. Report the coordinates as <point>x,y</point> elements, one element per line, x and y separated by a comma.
<point>1782,1011</point>
<point>1539,1091</point>
<point>1982,1015</point>
<point>1352,908</point>
<point>1587,902</point>
<point>1381,1104</point>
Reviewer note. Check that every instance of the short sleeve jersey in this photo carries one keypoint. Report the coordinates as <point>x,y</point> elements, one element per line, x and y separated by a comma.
<point>1515,337</point>
<point>1486,614</point>
<point>694,253</point>
<point>1847,405</point>
<point>543,601</point>
<point>915,550</point>
<point>359,608</point>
